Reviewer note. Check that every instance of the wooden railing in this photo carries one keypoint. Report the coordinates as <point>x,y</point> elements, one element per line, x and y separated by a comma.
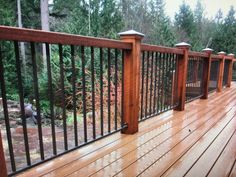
<point>130,82</point>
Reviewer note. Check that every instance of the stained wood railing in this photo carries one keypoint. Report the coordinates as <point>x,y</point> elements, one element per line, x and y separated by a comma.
<point>142,81</point>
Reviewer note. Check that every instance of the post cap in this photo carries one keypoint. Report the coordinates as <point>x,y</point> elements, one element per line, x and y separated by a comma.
<point>221,53</point>
<point>131,32</point>
<point>208,50</point>
<point>231,55</point>
<point>183,45</point>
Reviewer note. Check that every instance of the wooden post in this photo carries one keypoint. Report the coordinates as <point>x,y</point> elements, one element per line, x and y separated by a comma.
<point>3,168</point>
<point>182,65</point>
<point>206,73</point>
<point>131,80</point>
<point>230,74</point>
<point>221,72</point>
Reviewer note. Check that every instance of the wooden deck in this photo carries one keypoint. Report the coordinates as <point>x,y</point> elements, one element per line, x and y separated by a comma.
<point>200,141</point>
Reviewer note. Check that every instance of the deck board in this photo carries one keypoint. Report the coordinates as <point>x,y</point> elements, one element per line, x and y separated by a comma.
<point>172,144</point>
<point>233,170</point>
<point>226,160</point>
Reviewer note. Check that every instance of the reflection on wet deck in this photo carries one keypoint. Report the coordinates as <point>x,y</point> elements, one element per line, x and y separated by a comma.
<point>199,141</point>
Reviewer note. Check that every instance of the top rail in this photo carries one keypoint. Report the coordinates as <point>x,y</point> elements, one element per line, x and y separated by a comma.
<point>198,54</point>
<point>228,58</point>
<point>216,57</point>
<point>32,35</point>
<point>157,48</point>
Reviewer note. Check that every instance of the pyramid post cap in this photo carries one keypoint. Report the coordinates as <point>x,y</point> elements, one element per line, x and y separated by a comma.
<point>183,44</point>
<point>208,50</point>
<point>221,53</point>
<point>231,55</point>
<point>131,32</point>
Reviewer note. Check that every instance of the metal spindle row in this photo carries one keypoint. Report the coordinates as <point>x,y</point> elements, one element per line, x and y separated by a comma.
<point>214,73</point>
<point>103,81</point>
<point>226,71</point>
<point>158,82</point>
<point>194,79</point>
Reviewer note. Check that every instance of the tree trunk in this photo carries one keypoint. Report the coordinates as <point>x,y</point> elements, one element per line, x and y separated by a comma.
<point>22,45</point>
<point>45,25</point>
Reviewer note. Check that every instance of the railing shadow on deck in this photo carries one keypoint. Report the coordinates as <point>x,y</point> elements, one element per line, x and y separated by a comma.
<point>99,86</point>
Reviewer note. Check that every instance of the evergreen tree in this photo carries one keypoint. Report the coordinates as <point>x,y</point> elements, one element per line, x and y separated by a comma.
<point>110,19</point>
<point>161,30</point>
<point>184,23</point>
<point>230,31</point>
<point>8,13</point>
<point>198,19</point>
<point>223,38</point>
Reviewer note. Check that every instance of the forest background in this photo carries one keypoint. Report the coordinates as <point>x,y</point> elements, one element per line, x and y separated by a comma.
<point>106,18</point>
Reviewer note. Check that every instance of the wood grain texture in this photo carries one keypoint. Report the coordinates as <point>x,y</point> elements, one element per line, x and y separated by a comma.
<point>131,83</point>
<point>172,143</point>
<point>3,168</point>
<point>30,35</point>
<point>233,170</point>
<point>230,73</point>
<point>221,75</point>
<point>206,76</point>
<point>162,49</point>
<point>182,65</point>
<point>198,54</point>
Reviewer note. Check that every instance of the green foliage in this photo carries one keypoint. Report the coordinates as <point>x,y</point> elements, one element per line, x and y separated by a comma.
<point>99,18</point>
<point>70,118</point>
<point>162,32</point>
<point>8,13</point>
<point>224,39</point>
<point>184,22</point>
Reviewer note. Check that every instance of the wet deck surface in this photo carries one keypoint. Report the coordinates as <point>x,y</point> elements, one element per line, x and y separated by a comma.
<point>200,141</point>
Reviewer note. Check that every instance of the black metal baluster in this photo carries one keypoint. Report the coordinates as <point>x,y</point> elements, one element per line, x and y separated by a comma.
<point>170,80</point>
<point>187,79</point>
<point>109,89</point>
<point>101,89</point>
<point>116,85</point>
<point>51,97</point>
<point>74,90</point>
<point>22,105</point>
<point>84,94</point>
<point>93,92</point>
<point>218,73</point>
<point>159,83</point>
<point>162,81</point>
<point>6,116</point>
<point>171,61</point>
<point>202,70</point>
<point>192,73</point>
<point>165,81</point>
<point>36,93</point>
<point>142,86</point>
<point>176,79</point>
<point>151,85</point>
<point>155,85</point>
<point>147,74</point>
<point>122,90</point>
<point>63,96</point>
